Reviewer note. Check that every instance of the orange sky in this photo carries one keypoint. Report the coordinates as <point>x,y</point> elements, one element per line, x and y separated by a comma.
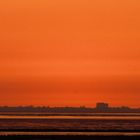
<point>69,52</point>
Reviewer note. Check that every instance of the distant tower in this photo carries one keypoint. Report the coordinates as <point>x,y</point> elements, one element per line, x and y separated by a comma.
<point>102,106</point>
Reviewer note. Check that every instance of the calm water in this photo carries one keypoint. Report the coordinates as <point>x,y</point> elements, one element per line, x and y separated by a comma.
<point>70,122</point>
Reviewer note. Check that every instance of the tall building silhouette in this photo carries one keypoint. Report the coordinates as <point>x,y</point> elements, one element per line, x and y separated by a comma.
<point>102,106</point>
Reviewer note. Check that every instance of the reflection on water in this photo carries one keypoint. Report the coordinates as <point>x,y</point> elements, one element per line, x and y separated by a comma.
<point>72,133</point>
<point>71,117</point>
<point>66,114</point>
<point>70,122</point>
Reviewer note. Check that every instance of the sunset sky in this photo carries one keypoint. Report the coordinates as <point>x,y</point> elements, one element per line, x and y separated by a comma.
<point>70,52</point>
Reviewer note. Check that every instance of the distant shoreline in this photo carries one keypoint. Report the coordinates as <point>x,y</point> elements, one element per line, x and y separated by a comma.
<point>100,108</point>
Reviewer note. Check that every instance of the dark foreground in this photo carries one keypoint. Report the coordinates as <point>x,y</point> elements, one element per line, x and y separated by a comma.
<point>69,135</point>
<point>51,137</point>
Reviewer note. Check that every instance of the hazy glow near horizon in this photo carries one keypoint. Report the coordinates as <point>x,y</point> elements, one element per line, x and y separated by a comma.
<point>70,52</point>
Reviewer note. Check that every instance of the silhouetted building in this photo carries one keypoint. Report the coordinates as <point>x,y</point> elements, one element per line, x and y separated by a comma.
<point>102,106</point>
